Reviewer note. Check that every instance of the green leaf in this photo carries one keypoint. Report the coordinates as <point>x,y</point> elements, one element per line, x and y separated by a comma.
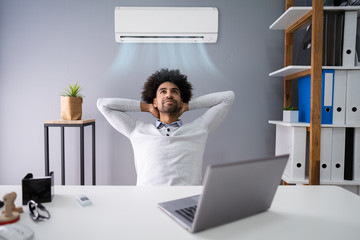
<point>290,108</point>
<point>73,91</point>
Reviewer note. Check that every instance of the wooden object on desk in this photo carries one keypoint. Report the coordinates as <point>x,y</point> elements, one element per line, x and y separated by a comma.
<point>71,123</point>
<point>11,213</point>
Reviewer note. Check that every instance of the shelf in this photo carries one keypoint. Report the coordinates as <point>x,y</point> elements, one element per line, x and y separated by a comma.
<point>293,181</point>
<point>303,124</point>
<point>287,124</point>
<point>293,14</point>
<point>289,70</point>
<point>293,69</point>
<point>289,17</point>
<point>306,181</point>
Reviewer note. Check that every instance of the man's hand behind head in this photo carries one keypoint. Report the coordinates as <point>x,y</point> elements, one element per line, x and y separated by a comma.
<point>185,107</point>
<point>146,107</point>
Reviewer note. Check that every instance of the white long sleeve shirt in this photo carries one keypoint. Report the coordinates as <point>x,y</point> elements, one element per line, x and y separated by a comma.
<point>168,160</point>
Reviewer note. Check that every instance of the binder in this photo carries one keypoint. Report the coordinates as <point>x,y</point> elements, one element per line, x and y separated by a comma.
<point>325,153</point>
<point>357,154</point>
<point>339,37</point>
<point>350,22</point>
<point>353,97</point>
<point>292,140</point>
<point>333,31</point>
<point>349,154</point>
<point>304,95</point>
<point>326,26</point>
<point>338,154</point>
<point>327,89</point>
<point>339,97</point>
<point>328,39</point>
<point>333,38</point>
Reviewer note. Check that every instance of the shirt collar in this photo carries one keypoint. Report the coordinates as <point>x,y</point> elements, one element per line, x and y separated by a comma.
<point>160,124</point>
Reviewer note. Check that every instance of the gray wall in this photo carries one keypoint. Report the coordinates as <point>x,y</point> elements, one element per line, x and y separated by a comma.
<point>46,45</point>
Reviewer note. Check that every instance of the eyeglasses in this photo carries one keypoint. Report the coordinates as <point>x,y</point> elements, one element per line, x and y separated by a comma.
<point>35,209</point>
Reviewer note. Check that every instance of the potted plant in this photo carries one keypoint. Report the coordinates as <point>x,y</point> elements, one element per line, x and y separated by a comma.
<point>291,114</point>
<point>71,103</point>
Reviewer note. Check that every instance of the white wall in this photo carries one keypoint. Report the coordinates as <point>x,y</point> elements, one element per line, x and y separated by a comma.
<point>46,45</point>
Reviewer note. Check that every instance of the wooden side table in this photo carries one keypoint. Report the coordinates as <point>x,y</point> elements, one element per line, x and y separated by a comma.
<point>71,123</point>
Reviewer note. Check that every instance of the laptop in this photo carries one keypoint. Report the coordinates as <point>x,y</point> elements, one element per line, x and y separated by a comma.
<point>232,191</point>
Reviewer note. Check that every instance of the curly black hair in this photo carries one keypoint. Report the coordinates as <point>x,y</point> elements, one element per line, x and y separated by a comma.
<point>165,75</point>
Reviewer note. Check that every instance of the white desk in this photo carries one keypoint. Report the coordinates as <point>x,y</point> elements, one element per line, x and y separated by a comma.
<point>128,212</point>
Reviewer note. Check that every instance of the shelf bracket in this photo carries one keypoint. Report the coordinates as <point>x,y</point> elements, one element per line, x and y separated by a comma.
<point>299,23</point>
<point>298,75</point>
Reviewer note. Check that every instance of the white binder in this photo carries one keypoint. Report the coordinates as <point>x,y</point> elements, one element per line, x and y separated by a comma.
<point>338,154</point>
<point>353,97</point>
<point>349,38</point>
<point>292,140</point>
<point>325,153</point>
<point>328,89</point>
<point>357,154</point>
<point>339,97</point>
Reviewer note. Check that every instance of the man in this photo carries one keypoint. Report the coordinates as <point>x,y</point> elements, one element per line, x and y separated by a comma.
<point>167,153</point>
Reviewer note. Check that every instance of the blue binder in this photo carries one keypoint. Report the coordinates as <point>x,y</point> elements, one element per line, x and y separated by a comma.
<point>327,97</point>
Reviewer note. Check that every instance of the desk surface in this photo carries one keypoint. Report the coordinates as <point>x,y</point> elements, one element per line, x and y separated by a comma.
<point>129,212</point>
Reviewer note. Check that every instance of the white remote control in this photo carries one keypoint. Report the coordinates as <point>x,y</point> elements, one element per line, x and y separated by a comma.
<point>83,200</point>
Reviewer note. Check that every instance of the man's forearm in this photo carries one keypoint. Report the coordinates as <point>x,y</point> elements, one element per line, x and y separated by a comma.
<point>212,99</point>
<point>217,104</point>
<point>118,104</point>
<point>114,110</point>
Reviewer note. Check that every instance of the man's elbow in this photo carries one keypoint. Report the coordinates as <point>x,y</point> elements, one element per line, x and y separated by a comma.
<point>100,104</point>
<point>230,96</point>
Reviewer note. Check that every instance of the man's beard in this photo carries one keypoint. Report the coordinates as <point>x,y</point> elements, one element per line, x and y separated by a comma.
<point>174,108</point>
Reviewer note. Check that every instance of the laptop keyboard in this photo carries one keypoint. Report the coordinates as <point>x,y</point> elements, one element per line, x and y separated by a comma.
<point>188,212</point>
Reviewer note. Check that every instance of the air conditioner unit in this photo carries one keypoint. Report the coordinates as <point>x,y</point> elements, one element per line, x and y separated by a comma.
<point>166,24</point>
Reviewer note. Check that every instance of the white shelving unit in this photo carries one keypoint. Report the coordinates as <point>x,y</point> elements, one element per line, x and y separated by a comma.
<point>292,137</point>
